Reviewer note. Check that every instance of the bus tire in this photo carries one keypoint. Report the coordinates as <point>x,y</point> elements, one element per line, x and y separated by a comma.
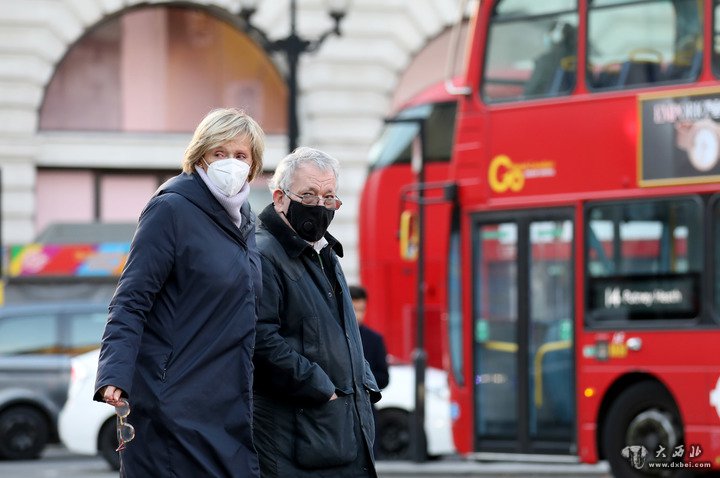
<point>24,432</point>
<point>644,415</point>
<point>108,443</point>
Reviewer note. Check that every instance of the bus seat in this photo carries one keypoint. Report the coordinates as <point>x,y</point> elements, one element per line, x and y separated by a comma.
<point>638,72</point>
<point>564,78</point>
<point>680,70</point>
<point>606,77</point>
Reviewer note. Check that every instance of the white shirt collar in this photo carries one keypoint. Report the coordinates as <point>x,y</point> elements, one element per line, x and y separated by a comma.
<point>318,246</point>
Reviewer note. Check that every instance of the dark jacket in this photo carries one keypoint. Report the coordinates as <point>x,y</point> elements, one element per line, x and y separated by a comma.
<point>307,348</point>
<point>376,355</point>
<point>180,335</point>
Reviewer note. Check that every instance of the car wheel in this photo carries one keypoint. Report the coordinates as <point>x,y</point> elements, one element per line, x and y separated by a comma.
<point>639,422</point>
<point>24,432</point>
<point>108,443</point>
<point>394,439</point>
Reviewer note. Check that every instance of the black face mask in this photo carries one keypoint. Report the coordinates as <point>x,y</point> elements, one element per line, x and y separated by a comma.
<point>310,222</point>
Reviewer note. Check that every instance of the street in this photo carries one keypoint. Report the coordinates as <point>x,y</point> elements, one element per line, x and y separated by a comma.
<point>59,463</point>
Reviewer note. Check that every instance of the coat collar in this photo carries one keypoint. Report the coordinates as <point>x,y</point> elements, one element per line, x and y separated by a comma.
<point>194,189</point>
<point>271,221</point>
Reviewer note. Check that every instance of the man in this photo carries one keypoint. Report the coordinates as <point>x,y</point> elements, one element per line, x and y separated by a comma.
<point>313,387</point>
<point>373,348</point>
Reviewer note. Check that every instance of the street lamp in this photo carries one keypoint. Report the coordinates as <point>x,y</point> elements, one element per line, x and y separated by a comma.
<point>292,47</point>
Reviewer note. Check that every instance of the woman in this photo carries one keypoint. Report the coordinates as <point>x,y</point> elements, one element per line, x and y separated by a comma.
<point>181,328</point>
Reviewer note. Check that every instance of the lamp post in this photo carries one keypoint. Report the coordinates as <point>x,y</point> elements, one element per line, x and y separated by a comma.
<point>292,47</point>
<point>419,354</point>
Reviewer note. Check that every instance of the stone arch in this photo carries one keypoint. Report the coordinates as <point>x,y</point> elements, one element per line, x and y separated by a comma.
<point>159,68</point>
<point>40,37</point>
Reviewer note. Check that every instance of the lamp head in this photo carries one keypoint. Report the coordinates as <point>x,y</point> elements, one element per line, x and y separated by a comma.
<point>337,9</point>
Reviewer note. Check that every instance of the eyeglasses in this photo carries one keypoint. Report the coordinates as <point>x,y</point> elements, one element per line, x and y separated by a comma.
<point>308,199</point>
<point>125,431</point>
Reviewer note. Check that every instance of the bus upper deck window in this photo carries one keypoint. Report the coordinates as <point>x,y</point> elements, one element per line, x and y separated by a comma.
<point>633,44</point>
<point>531,50</point>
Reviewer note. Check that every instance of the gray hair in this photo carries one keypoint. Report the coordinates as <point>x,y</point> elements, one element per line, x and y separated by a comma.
<point>285,171</point>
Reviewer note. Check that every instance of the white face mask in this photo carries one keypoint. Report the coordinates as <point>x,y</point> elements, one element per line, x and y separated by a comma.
<point>229,175</point>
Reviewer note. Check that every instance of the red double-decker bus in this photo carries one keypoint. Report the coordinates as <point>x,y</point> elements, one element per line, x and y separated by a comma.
<point>578,263</point>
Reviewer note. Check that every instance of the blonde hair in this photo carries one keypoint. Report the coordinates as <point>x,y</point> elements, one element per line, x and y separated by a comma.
<point>217,128</point>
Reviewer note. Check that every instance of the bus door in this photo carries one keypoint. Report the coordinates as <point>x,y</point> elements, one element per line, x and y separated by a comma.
<point>522,311</point>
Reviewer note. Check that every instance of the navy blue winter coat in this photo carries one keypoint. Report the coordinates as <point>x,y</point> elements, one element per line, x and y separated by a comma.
<point>180,334</point>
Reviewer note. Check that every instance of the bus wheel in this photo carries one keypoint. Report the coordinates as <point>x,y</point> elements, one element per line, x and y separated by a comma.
<point>642,426</point>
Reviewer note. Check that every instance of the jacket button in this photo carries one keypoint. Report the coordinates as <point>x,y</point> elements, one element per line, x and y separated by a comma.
<point>329,294</point>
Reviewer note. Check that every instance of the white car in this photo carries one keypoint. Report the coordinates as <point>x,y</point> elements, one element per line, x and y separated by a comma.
<point>87,427</point>
<point>395,414</point>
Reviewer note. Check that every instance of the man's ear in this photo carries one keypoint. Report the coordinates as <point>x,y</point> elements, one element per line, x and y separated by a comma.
<point>277,196</point>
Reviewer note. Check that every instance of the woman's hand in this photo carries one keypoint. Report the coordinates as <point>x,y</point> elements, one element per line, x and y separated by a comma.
<point>111,394</point>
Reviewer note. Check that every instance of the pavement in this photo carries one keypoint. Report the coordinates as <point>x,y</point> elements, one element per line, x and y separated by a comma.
<point>471,468</point>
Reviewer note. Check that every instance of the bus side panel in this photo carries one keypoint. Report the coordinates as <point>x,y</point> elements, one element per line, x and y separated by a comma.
<point>690,366</point>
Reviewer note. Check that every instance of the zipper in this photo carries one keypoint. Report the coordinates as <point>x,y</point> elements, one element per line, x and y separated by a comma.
<point>321,264</point>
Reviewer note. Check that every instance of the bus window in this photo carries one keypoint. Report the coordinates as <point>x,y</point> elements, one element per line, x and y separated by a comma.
<point>532,50</point>
<point>633,44</point>
<point>395,143</point>
<point>551,408</point>
<point>644,259</point>
<point>495,330</point>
